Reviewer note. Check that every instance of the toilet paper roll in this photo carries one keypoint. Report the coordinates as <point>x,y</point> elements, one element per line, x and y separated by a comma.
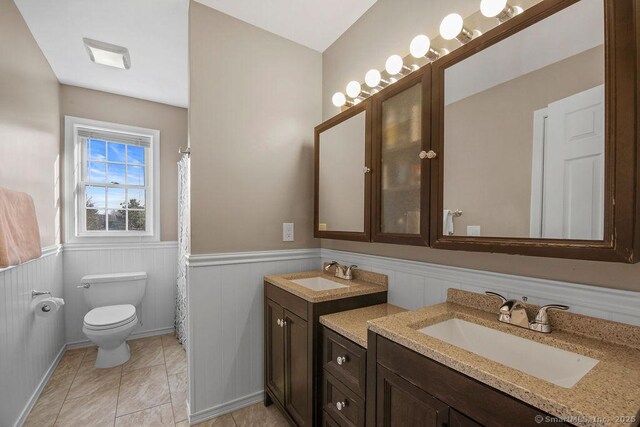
<point>48,306</point>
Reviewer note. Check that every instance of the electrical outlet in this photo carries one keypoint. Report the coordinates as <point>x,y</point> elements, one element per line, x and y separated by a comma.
<point>473,230</point>
<point>287,232</point>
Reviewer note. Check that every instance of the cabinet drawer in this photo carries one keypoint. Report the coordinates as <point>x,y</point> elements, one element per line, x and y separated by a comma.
<point>342,404</point>
<point>294,304</point>
<point>345,360</point>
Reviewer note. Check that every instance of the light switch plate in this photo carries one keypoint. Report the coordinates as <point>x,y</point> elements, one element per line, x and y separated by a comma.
<point>473,230</point>
<point>287,231</point>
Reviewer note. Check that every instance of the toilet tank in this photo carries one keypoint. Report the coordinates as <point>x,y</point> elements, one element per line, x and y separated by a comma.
<point>114,289</point>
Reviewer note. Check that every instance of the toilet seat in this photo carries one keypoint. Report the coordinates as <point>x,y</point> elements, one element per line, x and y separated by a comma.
<point>110,317</point>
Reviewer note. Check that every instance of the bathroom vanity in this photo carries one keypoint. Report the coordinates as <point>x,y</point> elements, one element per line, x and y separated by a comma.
<point>293,304</point>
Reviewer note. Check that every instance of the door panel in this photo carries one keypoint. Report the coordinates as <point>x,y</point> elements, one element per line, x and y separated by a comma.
<point>573,189</point>
<point>275,350</point>
<point>297,368</point>
<point>400,403</point>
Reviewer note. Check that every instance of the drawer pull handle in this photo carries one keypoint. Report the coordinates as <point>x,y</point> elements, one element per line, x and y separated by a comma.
<point>341,405</point>
<point>281,323</point>
<point>340,360</point>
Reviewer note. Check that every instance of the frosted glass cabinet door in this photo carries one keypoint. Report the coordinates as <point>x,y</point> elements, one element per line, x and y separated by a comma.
<point>399,142</point>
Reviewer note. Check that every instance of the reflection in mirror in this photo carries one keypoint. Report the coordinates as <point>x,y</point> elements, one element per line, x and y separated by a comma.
<point>341,175</point>
<point>524,132</point>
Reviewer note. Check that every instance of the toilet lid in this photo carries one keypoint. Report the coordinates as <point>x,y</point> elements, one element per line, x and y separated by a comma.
<point>110,316</point>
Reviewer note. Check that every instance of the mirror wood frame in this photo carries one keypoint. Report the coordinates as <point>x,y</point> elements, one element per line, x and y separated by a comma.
<point>622,195</point>
<point>365,235</point>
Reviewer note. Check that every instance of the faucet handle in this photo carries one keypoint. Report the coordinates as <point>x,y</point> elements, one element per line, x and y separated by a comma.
<point>495,294</point>
<point>351,267</point>
<point>542,317</point>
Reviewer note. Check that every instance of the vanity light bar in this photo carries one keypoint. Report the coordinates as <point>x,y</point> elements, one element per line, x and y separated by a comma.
<point>451,27</point>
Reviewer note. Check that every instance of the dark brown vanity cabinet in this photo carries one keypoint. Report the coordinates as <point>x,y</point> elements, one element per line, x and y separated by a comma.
<point>293,359</point>
<point>412,390</point>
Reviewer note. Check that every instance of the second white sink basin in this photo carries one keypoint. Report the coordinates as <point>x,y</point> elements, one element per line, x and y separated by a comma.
<point>319,284</point>
<point>560,367</point>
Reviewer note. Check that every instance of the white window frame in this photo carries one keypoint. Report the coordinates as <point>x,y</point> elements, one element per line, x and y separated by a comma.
<point>74,213</point>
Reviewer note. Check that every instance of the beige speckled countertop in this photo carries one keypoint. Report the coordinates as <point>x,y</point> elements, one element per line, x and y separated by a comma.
<point>363,283</point>
<point>352,324</point>
<point>609,391</point>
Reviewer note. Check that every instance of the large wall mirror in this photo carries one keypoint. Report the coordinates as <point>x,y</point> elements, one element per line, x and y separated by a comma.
<point>342,148</point>
<point>521,122</point>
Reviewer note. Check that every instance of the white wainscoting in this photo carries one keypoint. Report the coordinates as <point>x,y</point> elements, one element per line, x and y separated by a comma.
<point>417,284</point>
<point>225,352</point>
<point>30,346</point>
<point>158,260</point>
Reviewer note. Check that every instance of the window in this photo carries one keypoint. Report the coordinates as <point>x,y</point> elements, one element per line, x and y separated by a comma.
<point>114,185</point>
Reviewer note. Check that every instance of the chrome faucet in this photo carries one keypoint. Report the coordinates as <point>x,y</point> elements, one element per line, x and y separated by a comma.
<point>342,271</point>
<point>514,312</point>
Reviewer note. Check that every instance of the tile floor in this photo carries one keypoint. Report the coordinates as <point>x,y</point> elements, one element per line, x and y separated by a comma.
<point>149,390</point>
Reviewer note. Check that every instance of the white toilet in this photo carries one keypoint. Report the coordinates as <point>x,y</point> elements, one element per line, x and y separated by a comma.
<point>113,299</point>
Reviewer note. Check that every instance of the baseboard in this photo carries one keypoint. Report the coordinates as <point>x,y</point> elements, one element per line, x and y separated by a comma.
<point>36,394</point>
<point>225,408</point>
<point>143,334</point>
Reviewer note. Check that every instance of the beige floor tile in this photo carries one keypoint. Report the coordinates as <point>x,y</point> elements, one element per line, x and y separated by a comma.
<point>61,378</point>
<point>156,416</point>
<point>176,359</point>
<point>178,388</point>
<point>259,416</point>
<point>95,410</point>
<point>222,421</point>
<point>169,340</point>
<point>145,352</point>
<point>90,379</point>
<point>47,408</point>
<point>142,389</point>
<point>91,354</point>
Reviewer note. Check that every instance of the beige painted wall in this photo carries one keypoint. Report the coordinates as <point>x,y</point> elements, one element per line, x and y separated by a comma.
<point>29,121</point>
<point>388,28</point>
<point>488,151</point>
<point>170,121</point>
<point>255,99</point>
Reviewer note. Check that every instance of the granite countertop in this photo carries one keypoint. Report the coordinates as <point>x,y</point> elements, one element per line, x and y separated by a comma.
<point>363,283</point>
<point>604,396</point>
<point>352,324</point>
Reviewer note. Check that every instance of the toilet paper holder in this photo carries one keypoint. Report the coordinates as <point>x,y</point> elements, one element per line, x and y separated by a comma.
<point>35,294</point>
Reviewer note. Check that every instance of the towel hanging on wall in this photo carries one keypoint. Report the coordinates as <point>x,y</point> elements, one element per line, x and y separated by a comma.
<point>447,223</point>
<point>19,231</point>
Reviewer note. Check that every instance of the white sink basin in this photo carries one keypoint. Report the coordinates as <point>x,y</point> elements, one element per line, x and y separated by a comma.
<point>555,365</point>
<point>319,284</point>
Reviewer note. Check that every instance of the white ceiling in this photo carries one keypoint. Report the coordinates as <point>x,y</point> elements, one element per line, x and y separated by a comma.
<point>312,23</point>
<point>544,43</point>
<point>154,31</point>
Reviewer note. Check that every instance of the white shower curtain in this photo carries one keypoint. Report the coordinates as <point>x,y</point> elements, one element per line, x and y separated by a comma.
<point>183,249</point>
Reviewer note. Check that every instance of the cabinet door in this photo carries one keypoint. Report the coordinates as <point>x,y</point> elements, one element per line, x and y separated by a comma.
<point>456,419</point>
<point>401,175</point>
<point>275,375</point>
<point>298,369</point>
<point>400,403</point>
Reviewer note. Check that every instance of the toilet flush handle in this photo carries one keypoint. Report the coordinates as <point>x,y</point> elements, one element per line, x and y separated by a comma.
<point>84,286</point>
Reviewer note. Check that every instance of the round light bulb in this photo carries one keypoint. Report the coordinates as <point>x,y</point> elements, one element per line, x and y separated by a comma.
<point>451,26</point>
<point>393,65</point>
<point>354,89</point>
<point>339,99</point>
<point>373,78</point>
<point>420,46</point>
<point>492,8</point>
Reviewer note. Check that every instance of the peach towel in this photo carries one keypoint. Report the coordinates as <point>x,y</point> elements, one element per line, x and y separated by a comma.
<point>19,232</point>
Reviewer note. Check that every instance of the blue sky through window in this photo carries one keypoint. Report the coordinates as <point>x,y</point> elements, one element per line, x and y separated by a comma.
<point>116,152</point>
<point>115,173</point>
<point>135,155</point>
<point>97,150</point>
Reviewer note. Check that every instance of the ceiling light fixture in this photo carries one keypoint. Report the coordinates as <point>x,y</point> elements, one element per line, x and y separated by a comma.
<point>374,79</point>
<point>452,27</point>
<point>339,100</point>
<point>499,9</point>
<point>108,54</point>
<point>421,48</point>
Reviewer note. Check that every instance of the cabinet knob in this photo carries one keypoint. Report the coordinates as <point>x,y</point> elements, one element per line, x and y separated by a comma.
<point>341,359</point>
<point>279,322</point>
<point>366,170</point>
<point>283,323</point>
<point>428,154</point>
<point>341,405</point>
